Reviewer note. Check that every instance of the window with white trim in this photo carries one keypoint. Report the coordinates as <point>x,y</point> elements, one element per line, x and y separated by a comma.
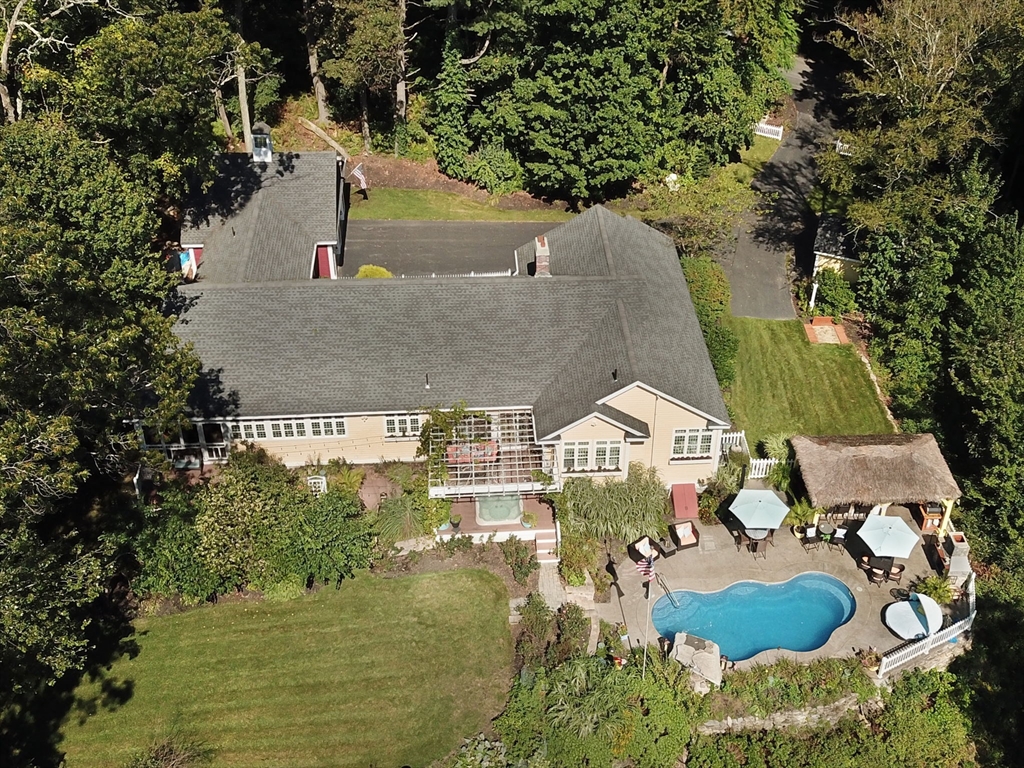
<point>288,429</point>
<point>402,425</point>
<point>692,443</point>
<point>598,456</point>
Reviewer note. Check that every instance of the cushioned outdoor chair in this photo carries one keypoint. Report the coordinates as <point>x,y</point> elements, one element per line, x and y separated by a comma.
<point>811,538</point>
<point>742,540</point>
<point>895,573</point>
<point>759,548</point>
<point>685,535</point>
<point>838,539</point>
<point>876,577</point>
<point>863,563</point>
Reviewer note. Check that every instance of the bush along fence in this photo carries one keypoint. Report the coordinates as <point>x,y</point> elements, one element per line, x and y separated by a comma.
<point>913,649</point>
<point>762,128</point>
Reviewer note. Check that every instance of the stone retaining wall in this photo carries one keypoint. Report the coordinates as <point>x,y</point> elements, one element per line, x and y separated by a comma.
<point>797,718</point>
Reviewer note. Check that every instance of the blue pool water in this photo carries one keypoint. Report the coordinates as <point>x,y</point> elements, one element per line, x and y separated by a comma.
<point>748,617</point>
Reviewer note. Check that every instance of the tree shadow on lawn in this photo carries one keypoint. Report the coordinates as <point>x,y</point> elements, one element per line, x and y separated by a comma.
<point>30,723</point>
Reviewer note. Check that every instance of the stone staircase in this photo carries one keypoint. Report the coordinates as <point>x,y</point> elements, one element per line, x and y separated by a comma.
<point>547,545</point>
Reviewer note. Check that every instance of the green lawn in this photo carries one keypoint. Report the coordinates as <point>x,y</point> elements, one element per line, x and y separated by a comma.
<point>785,384</point>
<point>383,672</point>
<point>428,205</point>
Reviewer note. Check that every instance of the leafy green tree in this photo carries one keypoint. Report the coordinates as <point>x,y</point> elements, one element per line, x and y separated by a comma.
<point>146,87</point>
<point>710,294</point>
<point>450,112</point>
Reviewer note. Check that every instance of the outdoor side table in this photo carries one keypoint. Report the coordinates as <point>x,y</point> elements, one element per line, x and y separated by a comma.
<point>827,531</point>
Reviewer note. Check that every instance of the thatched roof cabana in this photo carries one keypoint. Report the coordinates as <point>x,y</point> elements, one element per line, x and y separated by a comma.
<point>874,470</point>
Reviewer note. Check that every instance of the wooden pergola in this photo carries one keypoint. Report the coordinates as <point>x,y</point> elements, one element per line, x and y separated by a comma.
<point>876,471</point>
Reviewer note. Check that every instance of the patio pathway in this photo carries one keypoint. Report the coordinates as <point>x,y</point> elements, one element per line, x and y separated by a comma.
<point>716,564</point>
<point>549,584</point>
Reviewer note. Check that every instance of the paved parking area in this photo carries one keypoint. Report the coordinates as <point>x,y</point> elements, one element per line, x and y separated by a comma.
<point>438,247</point>
<point>716,564</point>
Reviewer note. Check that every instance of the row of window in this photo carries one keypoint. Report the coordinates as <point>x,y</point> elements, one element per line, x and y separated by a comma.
<point>283,429</point>
<point>691,443</point>
<point>596,455</point>
<point>606,455</point>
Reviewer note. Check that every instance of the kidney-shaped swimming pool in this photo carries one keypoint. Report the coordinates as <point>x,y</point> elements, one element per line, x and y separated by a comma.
<point>748,617</point>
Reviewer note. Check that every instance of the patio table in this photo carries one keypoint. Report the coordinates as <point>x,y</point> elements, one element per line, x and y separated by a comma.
<point>881,563</point>
<point>826,530</point>
<point>757,533</point>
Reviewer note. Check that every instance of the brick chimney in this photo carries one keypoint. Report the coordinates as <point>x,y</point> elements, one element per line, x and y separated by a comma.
<point>542,264</point>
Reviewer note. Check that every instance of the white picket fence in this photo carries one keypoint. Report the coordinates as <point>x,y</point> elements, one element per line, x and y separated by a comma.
<point>913,649</point>
<point>770,131</point>
<point>759,468</point>
<point>731,440</point>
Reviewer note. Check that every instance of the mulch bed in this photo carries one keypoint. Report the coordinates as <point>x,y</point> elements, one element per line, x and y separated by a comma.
<point>398,172</point>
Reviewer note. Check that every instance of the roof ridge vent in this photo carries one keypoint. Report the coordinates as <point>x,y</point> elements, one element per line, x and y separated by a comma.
<point>542,263</point>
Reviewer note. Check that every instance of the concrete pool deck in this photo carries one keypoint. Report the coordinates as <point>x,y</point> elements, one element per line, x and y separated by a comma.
<point>716,564</point>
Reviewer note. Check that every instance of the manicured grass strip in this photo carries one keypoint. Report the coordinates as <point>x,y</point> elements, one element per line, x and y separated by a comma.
<point>428,205</point>
<point>383,672</point>
<point>785,384</point>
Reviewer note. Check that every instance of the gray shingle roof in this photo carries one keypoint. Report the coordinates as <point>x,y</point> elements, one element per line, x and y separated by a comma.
<point>834,237</point>
<point>615,311</point>
<point>261,222</point>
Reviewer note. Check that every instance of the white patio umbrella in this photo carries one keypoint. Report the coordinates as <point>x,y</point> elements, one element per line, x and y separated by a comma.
<point>888,536</point>
<point>759,509</point>
<point>928,611</point>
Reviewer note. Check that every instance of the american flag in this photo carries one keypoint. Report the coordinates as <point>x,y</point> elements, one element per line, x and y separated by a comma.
<point>646,568</point>
<point>358,173</point>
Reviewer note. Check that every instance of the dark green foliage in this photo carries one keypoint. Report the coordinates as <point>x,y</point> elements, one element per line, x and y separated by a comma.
<point>257,526</point>
<point>519,558</point>
<point>622,510</point>
<point>710,294</point>
<point>591,96</point>
<point>493,168</point>
<point>920,727</point>
<point>766,689</point>
<point>450,105</point>
<point>145,86</point>
<point>577,555</point>
<point>572,633</point>
<point>537,623</point>
<point>454,545</point>
<point>587,712</point>
<point>835,296</point>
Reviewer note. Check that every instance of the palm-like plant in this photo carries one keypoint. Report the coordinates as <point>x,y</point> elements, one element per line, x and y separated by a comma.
<point>399,518</point>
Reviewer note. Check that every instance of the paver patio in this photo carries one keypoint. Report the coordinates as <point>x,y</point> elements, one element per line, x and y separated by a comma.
<point>716,564</point>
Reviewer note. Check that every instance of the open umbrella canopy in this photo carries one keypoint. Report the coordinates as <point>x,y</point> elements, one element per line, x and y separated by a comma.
<point>888,536</point>
<point>759,509</point>
<point>928,611</point>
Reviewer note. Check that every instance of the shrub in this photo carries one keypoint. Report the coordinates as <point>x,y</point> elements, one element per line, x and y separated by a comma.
<point>454,545</point>
<point>710,294</point>
<point>372,271</point>
<point>577,555</point>
<point>937,588</point>
<point>399,518</point>
<point>572,627</point>
<point>172,751</point>
<point>835,296</point>
<point>615,509</point>
<point>519,558</point>
<point>494,168</point>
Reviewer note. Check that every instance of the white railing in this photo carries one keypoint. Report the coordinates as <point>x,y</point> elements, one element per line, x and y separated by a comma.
<point>733,439</point>
<point>500,273</point>
<point>759,468</point>
<point>913,649</point>
<point>770,131</point>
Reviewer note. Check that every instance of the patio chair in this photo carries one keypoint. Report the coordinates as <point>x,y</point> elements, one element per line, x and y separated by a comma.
<point>838,539</point>
<point>759,548</point>
<point>876,577</point>
<point>811,538</point>
<point>863,563</point>
<point>742,540</point>
<point>895,573</point>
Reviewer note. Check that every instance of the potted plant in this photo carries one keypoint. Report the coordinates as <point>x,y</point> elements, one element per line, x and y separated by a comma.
<point>529,519</point>
<point>869,658</point>
<point>800,514</point>
<point>937,588</point>
<point>456,522</point>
